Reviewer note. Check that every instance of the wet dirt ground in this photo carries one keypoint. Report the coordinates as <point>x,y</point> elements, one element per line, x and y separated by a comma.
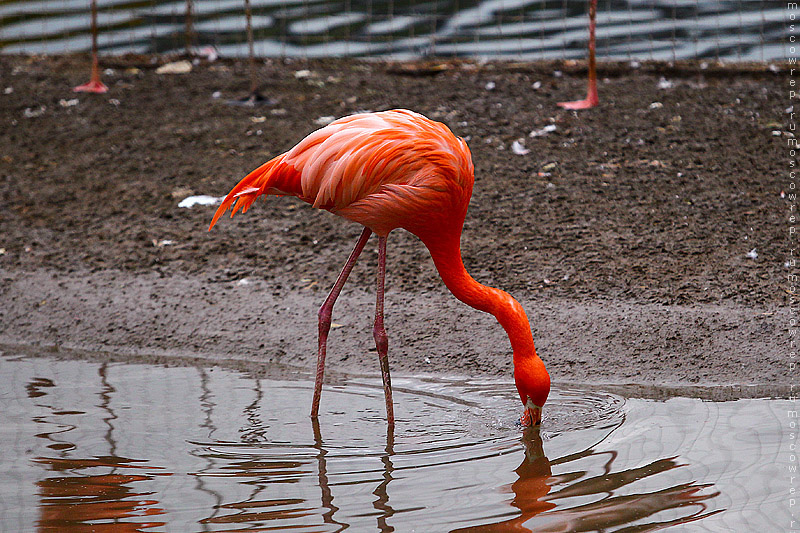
<point>625,232</point>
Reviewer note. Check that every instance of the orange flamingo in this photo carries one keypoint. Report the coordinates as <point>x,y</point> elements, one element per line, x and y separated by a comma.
<point>94,85</point>
<point>591,99</point>
<point>388,170</point>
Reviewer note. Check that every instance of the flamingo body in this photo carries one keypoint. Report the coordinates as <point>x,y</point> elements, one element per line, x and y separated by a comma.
<point>382,170</point>
<point>389,170</point>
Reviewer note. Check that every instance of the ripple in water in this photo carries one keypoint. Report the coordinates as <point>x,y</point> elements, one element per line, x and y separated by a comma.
<point>90,445</point>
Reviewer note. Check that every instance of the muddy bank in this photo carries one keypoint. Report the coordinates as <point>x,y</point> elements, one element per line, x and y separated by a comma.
<point>625,232</point>
<point>246,322</point>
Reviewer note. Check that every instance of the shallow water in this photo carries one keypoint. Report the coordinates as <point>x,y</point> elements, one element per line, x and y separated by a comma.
<point>514,29</point>
<point>135,447</point>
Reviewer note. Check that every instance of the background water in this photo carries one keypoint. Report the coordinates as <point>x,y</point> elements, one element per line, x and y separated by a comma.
<point>512,29</point>
<point>132,447</point>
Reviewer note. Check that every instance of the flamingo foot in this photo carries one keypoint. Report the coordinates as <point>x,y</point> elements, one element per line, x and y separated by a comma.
<point>590,101</point>
<point>93,86</point>
<point>579,104</point>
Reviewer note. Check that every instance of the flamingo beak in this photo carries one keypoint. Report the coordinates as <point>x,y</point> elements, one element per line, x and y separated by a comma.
<point>532,416</point>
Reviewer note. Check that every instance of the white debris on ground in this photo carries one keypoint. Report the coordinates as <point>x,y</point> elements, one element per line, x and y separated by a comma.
<point>664,83</point>
<point>176,67</point>
<point>519,148</point>
<point>752,254</point>
<point>202,199</point>
<point>324,121</point>
<point>300,74</point>
<point>544,131</point>
<point>490,86</point>
<point>34,112</point>
<point>68,103</point>
<point>162,243</point>
<point>656,105</point>
<point>243,281</point>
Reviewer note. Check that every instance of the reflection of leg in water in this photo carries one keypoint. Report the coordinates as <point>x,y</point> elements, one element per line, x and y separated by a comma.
<point>381,491</point>
<point>322,469</point>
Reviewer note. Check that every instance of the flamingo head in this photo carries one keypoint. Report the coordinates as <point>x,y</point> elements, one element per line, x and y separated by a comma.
<point>533,385</point>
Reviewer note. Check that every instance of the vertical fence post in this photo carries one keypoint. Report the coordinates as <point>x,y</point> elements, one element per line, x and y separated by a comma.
<point>254,98</point>
<point>189,27</point>
<point>250,47</point>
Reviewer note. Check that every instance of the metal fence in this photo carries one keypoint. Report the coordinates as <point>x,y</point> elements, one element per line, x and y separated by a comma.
<point>733,30</point>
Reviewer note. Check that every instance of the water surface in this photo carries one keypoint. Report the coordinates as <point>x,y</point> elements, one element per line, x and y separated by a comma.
<point>135,447</point>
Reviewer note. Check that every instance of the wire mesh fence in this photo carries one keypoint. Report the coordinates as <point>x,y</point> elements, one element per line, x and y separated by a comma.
<point>729,30</point>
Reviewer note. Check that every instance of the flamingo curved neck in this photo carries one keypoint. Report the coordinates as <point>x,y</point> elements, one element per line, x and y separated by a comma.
<point>446,254</point>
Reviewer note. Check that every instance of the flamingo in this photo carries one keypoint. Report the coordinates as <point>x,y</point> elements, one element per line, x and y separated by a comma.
<point>94,85</point>
<point>388,170</point>
<point>591,99</point>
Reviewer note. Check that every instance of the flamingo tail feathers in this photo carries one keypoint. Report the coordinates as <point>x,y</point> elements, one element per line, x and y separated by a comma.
<point>273,177</point>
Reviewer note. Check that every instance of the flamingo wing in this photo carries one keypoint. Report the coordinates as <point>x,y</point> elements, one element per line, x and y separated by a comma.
<point>374,168</point>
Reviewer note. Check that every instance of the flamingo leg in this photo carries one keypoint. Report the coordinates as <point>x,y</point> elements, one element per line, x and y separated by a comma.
<point>379,333</point>
<point>94,85</point>
<point>591,96</point>
<point>325,314</point>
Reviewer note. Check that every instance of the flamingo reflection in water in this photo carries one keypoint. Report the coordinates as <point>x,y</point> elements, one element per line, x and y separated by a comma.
<point>538,495</point>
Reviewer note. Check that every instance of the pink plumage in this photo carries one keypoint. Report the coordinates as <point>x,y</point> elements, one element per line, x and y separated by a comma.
<point>377,169</point>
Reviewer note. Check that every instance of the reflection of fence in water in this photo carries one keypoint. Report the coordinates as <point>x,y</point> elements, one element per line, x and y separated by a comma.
<point>510,29</point>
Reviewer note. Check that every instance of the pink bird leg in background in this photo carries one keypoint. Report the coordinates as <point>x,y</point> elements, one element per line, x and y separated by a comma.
<point>94,85</point>
<point>591,99</point>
